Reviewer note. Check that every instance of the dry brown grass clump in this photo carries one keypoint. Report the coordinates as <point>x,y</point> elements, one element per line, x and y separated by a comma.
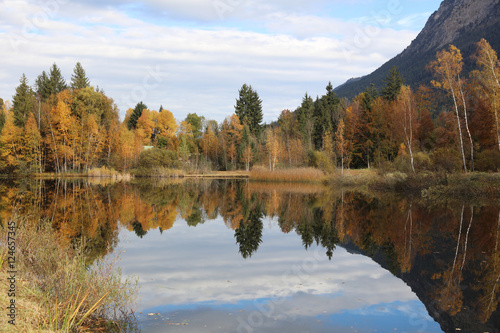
<point>287,175</point>
<point>56,291</point>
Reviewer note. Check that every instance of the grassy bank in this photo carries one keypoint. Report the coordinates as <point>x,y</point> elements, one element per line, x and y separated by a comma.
<point>55,291</point>
<point>430,184</point>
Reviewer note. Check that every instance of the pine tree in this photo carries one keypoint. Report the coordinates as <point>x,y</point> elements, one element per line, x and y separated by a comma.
<point>249,108</point>
<point>136,114</point>
<point>22,102</point>
<point>79,79</point>
<point>393,84</point>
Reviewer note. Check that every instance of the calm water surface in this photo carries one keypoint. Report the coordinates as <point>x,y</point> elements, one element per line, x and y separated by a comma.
<point>234,256</point>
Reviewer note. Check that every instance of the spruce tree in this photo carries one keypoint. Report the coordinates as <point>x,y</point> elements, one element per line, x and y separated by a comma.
<point>305,119</point>
<point>132,122</point>
<point>79,79</point>
<point>57,83</point>
<point>393,84</point>
<point>50,84</point>
<point>249,108</point>
<point>22,102</point>
<point>326,115</point>
<point>42,86</point>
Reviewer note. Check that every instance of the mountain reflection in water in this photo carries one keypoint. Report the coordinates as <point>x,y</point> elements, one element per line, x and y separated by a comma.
<point>240,256</point>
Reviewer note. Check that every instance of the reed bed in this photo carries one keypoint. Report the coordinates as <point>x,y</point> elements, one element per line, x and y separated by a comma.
<point>287,175</point>
<point>105,172</point>
<point>56,291</point>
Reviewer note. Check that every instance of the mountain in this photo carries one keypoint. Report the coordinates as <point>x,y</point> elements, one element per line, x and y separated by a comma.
<point>459,22</point>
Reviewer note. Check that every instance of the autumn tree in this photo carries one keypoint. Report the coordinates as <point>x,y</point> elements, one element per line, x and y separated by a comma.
<point>167,127</point>
<point>209,143</point>
<point>10,145</point>
<point>249,108</point>
<point>31,145</point>
<point>230,136</point>
<point>487,60</point>
<point>341,144</point>
<point>22,102</point>
<point>447,68</point>
<point>145,126</point>
<point>196,124</point>
<point>406,119</point>
<point>273,147</point>
<point>289,131</point>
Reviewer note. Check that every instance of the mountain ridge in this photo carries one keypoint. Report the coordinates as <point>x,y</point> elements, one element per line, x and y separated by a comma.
<point>459,22</point>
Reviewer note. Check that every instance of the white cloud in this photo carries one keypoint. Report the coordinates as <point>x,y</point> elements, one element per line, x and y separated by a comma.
<point>201,68</point>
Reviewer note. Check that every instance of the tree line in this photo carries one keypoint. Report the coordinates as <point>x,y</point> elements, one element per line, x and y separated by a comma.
<point>451,124</point>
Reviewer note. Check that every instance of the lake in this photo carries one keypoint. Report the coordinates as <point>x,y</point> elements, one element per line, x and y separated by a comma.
<point>239,256</point>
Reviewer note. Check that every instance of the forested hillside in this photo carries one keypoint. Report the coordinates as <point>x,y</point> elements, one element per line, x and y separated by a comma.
<point>459,22</point>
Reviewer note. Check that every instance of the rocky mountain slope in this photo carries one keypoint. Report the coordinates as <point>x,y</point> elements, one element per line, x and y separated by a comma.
<point>459,22</point>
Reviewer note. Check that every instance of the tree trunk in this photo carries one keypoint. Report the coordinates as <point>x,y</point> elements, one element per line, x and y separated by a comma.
<point>459,127</point>
<point>467,127</point>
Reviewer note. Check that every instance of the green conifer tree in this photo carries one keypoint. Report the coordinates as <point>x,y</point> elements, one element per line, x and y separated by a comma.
<point>249,108</point>
<point>22,102</point>
<point>132,122</point>
<point>393,84</point>
<point>79,79</point>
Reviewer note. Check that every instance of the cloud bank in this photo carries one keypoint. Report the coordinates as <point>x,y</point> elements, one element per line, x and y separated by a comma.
<point>193,56</point>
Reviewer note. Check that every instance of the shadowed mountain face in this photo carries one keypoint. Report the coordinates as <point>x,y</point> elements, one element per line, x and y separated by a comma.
<point>459,22</point>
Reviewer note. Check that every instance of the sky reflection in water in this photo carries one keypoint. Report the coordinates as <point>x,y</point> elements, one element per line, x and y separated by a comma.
<point>197,281</point>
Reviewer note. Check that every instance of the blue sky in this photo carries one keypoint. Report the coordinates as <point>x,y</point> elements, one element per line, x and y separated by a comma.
<point>194,55</point>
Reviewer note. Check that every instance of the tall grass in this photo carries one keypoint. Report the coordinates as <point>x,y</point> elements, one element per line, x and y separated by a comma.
<point>57,291</point>
<point>287,175</point>
<point>108,173</point>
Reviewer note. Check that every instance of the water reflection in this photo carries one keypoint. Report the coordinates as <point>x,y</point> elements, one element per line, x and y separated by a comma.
<point>212,252</point>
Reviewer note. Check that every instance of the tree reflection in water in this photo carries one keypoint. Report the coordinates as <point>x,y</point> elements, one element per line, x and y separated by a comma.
<point>448,251</point>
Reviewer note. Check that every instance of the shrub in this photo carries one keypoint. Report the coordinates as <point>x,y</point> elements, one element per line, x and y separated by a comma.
<point>322,161</point>
<point>488,160</point>
<point>446,159</point>
<point>158,158</point>
<point>422,161</point>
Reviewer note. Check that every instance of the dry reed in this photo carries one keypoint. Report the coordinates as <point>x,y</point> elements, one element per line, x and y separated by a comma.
<point>287,175</point>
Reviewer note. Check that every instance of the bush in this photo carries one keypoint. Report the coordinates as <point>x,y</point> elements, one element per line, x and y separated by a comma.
<point>422,161</point>
<point>155,158</point>
<point>488,160</point>
<point>322,161</point>
<point>447,160</point>
<point>402,163</point>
